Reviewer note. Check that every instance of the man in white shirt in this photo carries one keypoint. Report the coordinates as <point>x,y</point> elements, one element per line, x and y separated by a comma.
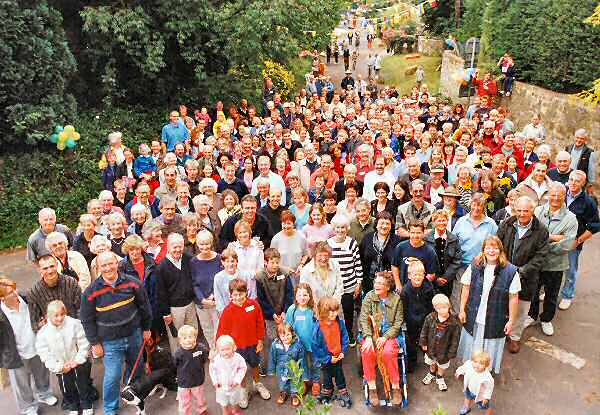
<point>377,175</point>
<point>18,353</point>
<point>275,181</point>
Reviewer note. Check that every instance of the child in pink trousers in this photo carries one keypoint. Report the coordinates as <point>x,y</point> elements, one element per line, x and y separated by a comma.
<point>189,359</point>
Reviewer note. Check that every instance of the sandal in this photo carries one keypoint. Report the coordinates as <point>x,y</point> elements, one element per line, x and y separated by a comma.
<point>282,398</point>
<point>295,401</point>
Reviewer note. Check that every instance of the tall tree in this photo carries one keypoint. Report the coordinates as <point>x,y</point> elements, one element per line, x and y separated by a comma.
<point>36,66</point>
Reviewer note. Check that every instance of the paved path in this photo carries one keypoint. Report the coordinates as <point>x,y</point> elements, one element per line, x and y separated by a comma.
<point>336,71</point>
<point>539,380</point>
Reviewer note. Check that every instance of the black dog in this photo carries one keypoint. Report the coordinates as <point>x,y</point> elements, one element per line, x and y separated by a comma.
<point>148,385</point>
<point>161,378</point>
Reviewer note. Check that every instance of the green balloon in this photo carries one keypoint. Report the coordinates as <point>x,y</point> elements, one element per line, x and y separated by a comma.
<point>71,143</point>
<point>58,129</point>
<point>54,138</point>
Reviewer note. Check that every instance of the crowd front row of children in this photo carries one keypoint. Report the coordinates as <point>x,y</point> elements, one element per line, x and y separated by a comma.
<point>314,336</point>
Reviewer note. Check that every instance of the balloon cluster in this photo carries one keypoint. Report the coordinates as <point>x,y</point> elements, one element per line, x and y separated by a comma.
<point>64,137</point>
<point>464,77</point>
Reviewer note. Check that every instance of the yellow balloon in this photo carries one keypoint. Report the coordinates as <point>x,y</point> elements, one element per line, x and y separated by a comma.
<point>60,145</point>
<point>63,136</point>
<point>76,136</point>
<point>69,129</point>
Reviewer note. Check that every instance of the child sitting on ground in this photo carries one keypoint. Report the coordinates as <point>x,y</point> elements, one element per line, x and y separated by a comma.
<point>329,346</point>
<point>190,358</point>
<point>301,317</point>
<point>285,348</point>
<point>416,296</point>
<point>63,347</point>
<point>242,319</point>
<point>227,371</point>
<point>478,382</point>
<point>439,340</point>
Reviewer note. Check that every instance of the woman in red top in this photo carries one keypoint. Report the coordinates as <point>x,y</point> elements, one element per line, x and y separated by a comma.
<point>486,86</point>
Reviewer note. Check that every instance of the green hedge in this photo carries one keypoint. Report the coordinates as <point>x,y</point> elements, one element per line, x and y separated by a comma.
<point>65,181</point>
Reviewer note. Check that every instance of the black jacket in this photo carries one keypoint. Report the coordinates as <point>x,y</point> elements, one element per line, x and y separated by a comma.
<point>528,254</point>
<point>238,187</point>
<point>586,212</point>
<point>150,277</point>
<point>273,216</point>
<point>174,286</point>
<point>417,305</point>
<point>452,255</point>
<point>368,258</point>
<point>340,189</point>
<point>260,228</point>
<point>190,366</point>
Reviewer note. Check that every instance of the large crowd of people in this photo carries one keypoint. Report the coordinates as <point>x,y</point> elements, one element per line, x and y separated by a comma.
<point>244,238</point>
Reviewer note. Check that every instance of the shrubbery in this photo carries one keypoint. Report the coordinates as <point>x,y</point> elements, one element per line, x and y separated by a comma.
<point>65,180</point>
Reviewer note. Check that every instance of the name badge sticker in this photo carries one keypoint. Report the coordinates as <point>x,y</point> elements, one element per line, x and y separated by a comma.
<point>249,308</point>
<point>197,353</point>
<point>300,318</point>
<point>280,277</point>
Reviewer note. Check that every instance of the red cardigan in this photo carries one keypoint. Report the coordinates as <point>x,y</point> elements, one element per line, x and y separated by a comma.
<point>245,324</point>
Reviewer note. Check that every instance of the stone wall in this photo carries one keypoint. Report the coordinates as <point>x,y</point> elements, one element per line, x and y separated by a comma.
<point>452,68</point>
<point>429,46</point>
<point>561,114</point>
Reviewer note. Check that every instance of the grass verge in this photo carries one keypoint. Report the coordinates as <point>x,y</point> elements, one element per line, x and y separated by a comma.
<point>394,68</point>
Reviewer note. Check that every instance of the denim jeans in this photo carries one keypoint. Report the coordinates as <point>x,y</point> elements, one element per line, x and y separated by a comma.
<point>568,291</point>
<point>333,371</point>
<point>508,84</point>
<point>115,351</point>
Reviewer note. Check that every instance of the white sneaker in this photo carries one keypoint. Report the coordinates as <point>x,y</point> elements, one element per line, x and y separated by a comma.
<point>429,377</point>
<point>564,304</point>
<point>50,400</point>
<point>73,412</point>
<point>89,411</point>
<point>244,399</point>
<point>441,384</point>
<point>262,391</point>
<point>529,322</point>
<point>547,328</point>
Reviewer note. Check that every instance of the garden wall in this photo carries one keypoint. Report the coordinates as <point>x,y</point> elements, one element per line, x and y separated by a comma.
<point>429,46</point>
<point>452,67</point>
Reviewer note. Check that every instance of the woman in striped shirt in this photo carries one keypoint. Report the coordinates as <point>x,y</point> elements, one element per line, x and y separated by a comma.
<point>346,255</point>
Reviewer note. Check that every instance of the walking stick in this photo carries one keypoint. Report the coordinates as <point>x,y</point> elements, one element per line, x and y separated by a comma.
<point>380,364</point>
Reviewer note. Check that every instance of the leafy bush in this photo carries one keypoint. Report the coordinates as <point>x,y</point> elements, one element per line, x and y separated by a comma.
<point>65,180</point>
<point>549,40</point>
<point>282,78</point>
<point>36,65</point>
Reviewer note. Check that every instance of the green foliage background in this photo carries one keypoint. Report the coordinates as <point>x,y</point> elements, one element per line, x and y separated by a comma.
<point>43,176</point>
<point>552,45</point>
<point>127,62</point>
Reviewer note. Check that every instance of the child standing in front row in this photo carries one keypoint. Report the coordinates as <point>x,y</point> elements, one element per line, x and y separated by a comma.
<point>284,349</point>
<point>416,296</point>
<point>227,371</point>
<point>243,320</point>
<point>301,317</point>
<point>439,340</point>
<point>478,382</point>
<point>329,346</point>
<point>63,347</point>
<point>190,358</point>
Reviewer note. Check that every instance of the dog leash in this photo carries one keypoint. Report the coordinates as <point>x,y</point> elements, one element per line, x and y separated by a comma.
<point>136,363</point>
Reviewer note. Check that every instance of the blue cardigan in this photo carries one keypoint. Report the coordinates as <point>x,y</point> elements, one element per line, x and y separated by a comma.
<point>321,355</point>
